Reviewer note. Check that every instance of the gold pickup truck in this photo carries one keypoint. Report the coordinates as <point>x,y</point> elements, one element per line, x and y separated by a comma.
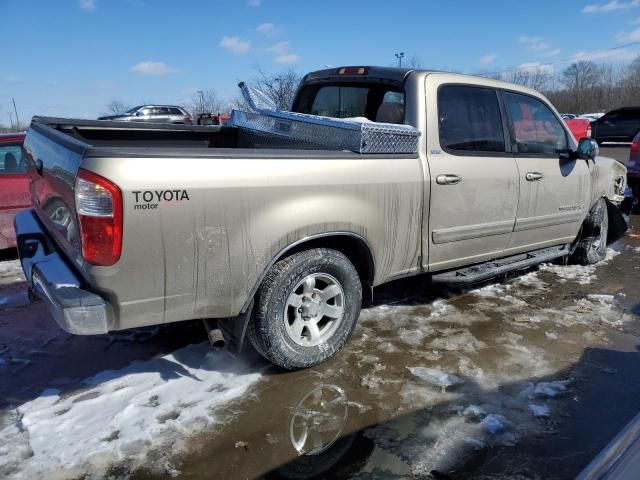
<point>135,225</point>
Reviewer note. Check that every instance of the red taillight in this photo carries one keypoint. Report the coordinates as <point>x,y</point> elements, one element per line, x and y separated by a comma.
<point>353,71</point>
<point>635,146</point>
<point>99,209</point>
<point>188,117</point>
<point>589,132</point>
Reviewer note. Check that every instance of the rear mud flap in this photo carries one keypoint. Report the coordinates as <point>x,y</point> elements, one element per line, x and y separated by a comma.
<point>234,330</point>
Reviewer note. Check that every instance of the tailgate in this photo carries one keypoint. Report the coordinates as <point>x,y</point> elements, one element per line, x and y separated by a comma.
<point>57,158</point>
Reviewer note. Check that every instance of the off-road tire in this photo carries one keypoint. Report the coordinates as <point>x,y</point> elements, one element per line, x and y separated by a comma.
<point>266,330</point>
<point>591,245</point>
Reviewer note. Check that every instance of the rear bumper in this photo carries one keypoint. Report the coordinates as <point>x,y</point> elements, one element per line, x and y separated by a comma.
<point>74,308</point>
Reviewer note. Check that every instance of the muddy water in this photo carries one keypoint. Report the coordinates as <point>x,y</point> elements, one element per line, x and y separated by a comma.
<point>510,364</point>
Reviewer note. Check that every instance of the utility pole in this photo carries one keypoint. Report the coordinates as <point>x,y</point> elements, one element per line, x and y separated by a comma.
<point>16,110</point>
<point>201,93</point>
<point>400,56</point>
<point>10,119</point>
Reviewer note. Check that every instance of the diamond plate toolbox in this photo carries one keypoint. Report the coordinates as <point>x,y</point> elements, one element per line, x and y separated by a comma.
<point>324,132</point>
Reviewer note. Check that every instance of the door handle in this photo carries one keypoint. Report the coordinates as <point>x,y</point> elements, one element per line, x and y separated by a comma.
<point>448,179</point>
<point>533,176</point>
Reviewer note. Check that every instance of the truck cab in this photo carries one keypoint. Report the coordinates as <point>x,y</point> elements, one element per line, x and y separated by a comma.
<point>499,164</point>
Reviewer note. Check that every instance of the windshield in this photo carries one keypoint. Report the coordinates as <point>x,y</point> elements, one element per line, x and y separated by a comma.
<point>376,102</point>
<point>133,110</point>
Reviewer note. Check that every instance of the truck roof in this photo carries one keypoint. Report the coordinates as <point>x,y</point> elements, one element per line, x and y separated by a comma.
<point>390,73</point>
<point>399,75</point>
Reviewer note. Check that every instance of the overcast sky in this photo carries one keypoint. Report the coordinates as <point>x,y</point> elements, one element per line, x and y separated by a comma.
<point>70,57</point>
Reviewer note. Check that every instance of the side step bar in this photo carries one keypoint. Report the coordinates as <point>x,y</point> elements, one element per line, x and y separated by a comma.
<point>493,268</point>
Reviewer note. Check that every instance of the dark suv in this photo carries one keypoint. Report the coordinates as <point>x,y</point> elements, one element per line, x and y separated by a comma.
<point>153,114</point>
<point>617,126</point>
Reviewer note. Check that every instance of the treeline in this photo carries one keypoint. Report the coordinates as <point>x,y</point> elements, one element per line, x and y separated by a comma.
<point>582,87</point>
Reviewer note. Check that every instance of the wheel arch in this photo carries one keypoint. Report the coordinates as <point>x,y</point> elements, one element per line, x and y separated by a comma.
<point>354,246</point>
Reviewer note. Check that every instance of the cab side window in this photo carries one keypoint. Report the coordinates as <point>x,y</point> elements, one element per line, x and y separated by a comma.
<point>536,129</point>
<point>469,119</point>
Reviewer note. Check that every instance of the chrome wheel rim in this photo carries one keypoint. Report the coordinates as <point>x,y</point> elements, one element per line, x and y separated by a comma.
<point>314,309</point>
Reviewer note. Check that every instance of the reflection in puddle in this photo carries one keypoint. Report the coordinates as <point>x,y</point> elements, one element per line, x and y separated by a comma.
<point>318,419</point>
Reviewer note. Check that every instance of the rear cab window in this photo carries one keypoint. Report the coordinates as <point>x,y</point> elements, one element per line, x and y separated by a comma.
<point>374,101</point>
<point>11,161</point>
<point>470,120</point>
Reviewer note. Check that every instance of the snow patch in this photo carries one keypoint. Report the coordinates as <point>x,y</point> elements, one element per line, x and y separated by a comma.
<point>10,272</point>
<point>539,410</point>
<point>545,389</point>
<point>531,280</point>
<point>494,423</point>
<point>456,339</point>
<point>581,274</point>
<point>122,416</point>
<point>435,377</point>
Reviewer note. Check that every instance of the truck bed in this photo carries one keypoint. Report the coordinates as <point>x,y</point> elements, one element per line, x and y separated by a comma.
<point>111,138</point>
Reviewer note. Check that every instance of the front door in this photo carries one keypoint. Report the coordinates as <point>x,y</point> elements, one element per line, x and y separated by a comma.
<point>473,175</point>
<point>554,188</point>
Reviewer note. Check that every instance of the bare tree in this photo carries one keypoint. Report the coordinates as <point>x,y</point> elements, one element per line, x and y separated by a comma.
<point>414,62</point>
<point>489,75</point>
<point>280,87</point>
<point>116,107</point>
<point>206,101</point>
<point>581,78</point>
<point>583,86</point>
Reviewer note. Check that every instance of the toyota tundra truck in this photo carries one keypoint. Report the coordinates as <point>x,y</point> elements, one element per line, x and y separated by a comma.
<point>135,225</point>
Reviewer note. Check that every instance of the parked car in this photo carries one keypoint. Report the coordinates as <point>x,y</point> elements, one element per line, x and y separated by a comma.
<point>211,119</point>
<point>14,191</point>
<point>617,126</point>
<point>633,166</point>
<point>580,127</point>
<point>153,114</point>
<point>261,229</point>
<point>568,116</point>
<point>591,116</point>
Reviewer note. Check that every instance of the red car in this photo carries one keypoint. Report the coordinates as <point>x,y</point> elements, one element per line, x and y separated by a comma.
<point>14,185</point>
<point>580,127</point>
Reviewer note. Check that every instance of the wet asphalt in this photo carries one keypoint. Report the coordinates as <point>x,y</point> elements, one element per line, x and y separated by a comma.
<point>528,378</point>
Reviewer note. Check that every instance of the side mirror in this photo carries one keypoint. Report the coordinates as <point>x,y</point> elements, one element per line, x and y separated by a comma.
<point>139,114</point>
<point>588,149</point>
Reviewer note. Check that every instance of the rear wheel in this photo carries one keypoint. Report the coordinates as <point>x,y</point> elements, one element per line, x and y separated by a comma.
<point>306,308</point>
<point>591,246</point>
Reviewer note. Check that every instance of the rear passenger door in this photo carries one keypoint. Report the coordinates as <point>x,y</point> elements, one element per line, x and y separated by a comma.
<point>473,175</point>
<point>554,187</point>
<point>162,115</point>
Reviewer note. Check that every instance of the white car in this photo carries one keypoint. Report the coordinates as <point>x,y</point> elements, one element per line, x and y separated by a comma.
<point>591,116</point>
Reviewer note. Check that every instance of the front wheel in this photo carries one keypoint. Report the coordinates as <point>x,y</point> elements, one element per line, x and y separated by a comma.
<point>591,246</point>
<point>306,308</point>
